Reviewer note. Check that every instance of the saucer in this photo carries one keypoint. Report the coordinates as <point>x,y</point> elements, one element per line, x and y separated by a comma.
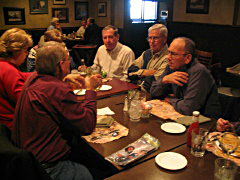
<point>105,88</point>
<point>171,160</point>
<point>172,127</point>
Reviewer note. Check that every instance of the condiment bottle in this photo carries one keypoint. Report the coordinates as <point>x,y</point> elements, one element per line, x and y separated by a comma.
<point>82,62</point>
<point>194,124</point>
<point>125,107</point>
<point>83,68</point>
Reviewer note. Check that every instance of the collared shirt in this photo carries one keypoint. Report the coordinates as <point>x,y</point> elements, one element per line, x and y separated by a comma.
<point>158,62</point>
<point>48,114</point>
<point>51,27</point>
<point>198,94</point>
<point>115,62</point>
<point>81,31</point>
<point>11,84</point>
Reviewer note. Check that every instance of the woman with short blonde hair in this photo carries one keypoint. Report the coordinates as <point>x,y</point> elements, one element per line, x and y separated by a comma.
<point>49,35</point>
<point>53,35</point>
<point>14,44</point>
<point>13,41</point>
<point>55,24</point>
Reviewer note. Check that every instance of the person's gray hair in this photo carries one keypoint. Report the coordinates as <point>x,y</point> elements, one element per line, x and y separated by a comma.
<point>162,28</point>
<point>54,21</point>
<point>111,27</point>
<point>49,56</point>
<point>190,46</point>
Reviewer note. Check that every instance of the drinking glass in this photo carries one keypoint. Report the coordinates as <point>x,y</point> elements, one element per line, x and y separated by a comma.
<point>135,110</point>
<point>83,70</point>
<point>198,141</point>
<point>93,70</point>
<point>146,107</point>
<point>224,169</point>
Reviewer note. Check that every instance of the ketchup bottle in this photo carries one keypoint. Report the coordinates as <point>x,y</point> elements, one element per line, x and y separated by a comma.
<point>194,124</point>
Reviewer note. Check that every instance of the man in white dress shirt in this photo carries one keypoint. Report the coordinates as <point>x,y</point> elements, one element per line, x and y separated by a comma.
<point>81,30</point>
<point>113,57</point>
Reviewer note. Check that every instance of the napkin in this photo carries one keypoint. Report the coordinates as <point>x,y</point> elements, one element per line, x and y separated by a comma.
<point>186,120</point>
<point>104,121</point>
<point>105,111</point>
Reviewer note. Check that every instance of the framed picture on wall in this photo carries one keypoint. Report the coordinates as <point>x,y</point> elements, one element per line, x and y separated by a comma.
<point>38,6</point>
<point>61,14</point>
<point>59,1</point>
<point>14,16</point>
<point>102,9</point>
<point>197,6</point>
<point>81,10</point>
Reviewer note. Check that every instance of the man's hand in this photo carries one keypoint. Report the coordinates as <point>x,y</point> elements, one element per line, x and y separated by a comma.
<point>147,72</point>
<point>93,82</point>
<point>224,125</point>
<point>167,99</point>
<point>177,77</point>
<point>75,80</point>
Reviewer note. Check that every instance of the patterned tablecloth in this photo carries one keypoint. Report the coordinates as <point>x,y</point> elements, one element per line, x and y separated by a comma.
<point>164,110</point>
<point>105,135</point>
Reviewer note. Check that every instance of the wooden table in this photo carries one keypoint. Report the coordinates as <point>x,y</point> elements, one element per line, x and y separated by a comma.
<point>197,169</point>
<point>118,87</point>
<point>136,130</point>
<point>70,42</point>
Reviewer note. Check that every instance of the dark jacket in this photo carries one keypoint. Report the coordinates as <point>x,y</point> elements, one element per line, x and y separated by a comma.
<point>198,94</point>
<point>92,34</point>
<point>16,163</point>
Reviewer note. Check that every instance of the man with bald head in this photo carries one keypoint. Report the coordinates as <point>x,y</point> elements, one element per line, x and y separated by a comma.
<point>53,115</point>
<point>191,83</point>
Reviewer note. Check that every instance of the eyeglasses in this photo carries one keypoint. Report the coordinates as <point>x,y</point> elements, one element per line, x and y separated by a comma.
<point>153,38</point>
<point>176,54</point>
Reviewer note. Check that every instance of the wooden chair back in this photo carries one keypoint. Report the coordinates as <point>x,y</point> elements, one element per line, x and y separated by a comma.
<point>204,57</point>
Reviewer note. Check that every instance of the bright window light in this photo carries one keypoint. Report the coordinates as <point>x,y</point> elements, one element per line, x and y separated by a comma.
<point>142,11</point>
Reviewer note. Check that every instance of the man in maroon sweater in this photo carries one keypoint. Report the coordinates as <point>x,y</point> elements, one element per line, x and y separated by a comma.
<point>48,114</point>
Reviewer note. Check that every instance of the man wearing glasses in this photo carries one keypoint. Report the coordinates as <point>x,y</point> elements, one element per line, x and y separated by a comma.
<point>151,64</point>
<point>190,82</point>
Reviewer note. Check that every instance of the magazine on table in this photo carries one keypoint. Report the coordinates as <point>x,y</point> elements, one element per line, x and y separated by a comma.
<point>136,150</point>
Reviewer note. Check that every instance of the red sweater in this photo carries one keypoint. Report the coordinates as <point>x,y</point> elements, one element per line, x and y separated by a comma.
<point>48,110</point>
<point>11,83</point>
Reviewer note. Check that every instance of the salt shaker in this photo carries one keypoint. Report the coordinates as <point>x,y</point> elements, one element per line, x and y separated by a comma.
<point>125,107</point>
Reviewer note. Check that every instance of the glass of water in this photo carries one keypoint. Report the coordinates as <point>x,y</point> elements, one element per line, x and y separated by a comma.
<point>135,110</point>
<point>225,169</point>
<point>199,142</point>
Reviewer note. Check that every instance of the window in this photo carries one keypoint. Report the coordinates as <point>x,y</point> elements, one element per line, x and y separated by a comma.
<point>143,11</point>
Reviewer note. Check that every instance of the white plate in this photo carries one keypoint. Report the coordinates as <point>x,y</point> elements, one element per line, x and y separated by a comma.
<point>105,88</point>
<point>171,160</point>
<point>79,92</point>
<point>172,127</point>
